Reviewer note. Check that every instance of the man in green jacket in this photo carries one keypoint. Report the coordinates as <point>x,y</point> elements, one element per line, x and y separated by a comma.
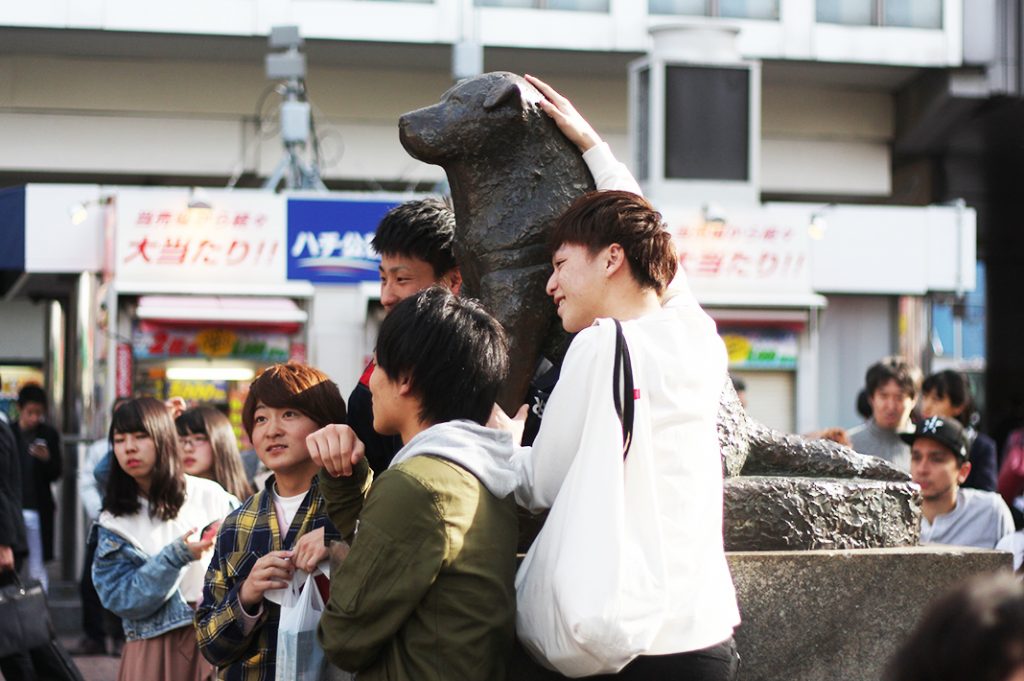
<point>426,592</point>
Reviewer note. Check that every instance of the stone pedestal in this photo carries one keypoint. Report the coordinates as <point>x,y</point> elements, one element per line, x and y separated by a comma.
<point>839,615</point>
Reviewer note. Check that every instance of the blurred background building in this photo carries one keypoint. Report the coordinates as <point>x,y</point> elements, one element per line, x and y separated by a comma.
<point>840,175</point>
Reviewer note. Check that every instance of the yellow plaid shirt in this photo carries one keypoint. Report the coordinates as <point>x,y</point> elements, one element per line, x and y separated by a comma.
<point>250,532</point>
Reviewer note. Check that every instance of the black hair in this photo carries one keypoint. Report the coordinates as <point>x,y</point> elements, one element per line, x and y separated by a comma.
<point>167,486</point>
<point>423,229</point>
<point>31,392</point>
<point>957,387</point>
<point>863,406</point>
<point>893,369</point>
<point>738,384</point>
<point>974,632</point>
<point>453,353</point>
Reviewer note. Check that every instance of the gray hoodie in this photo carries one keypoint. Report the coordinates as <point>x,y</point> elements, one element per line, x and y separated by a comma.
<point>484,452</point>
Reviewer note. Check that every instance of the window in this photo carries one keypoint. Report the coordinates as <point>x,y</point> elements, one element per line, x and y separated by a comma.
<point>707,123</point>
<point>735,9</point>
<point>575,5</point>
<point>907,13</point>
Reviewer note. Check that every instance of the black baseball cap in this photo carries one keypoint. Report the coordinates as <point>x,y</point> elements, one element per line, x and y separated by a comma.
<point>947,432</point>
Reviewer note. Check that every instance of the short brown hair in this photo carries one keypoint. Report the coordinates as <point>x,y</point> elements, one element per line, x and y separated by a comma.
<point>297,386</point>
<point>598,219</point>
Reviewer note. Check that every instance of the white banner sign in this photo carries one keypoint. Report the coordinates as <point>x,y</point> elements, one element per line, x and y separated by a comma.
<point>239,239</point>
<point>760,251</point>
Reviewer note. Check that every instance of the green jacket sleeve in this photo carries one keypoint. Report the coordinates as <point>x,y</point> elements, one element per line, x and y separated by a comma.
<point>395,558</point>
<point>344,497</point>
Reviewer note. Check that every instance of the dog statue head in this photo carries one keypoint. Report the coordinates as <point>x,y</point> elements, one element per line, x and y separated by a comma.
<point>476,117</point>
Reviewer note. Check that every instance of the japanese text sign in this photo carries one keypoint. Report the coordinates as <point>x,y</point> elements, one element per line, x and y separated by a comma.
<point>329,240</point>
<point>760,251</point>
<point>238,239</point>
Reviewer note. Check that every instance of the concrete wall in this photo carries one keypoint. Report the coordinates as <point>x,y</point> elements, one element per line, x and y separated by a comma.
<point>22,329</point>
<point>818,140</point>
<point>795,35</point>
<point>856,331</point>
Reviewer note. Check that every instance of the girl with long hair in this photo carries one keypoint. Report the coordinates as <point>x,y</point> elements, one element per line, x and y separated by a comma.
<point>209,449</point>
<point>151,552</point>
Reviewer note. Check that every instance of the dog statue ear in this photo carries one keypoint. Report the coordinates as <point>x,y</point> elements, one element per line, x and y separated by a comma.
<point>505,93</point>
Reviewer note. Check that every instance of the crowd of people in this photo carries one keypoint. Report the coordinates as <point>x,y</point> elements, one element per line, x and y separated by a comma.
<point>928,428</point>
<point>417,477</point>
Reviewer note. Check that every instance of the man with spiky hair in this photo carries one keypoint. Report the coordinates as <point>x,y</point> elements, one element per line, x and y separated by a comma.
<point>414,241</point>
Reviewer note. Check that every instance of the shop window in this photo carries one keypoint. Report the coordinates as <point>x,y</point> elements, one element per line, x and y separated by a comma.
<point>735,9</point>
<point>905,13</point>
<point>707,123</point>
<point>573,5</point>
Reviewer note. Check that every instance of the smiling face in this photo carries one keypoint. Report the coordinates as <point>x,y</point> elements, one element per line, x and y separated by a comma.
<point>196,454</point>
<point>577,285</point>
<point>401,276</point>
<point>279,436</point>
<point>936,469</point>
<point>136,455</point>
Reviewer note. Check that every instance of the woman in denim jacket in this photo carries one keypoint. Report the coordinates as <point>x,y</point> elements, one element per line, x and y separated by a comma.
<point>149,563</point>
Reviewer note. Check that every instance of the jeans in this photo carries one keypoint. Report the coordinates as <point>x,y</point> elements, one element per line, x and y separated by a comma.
<point>34,535</point>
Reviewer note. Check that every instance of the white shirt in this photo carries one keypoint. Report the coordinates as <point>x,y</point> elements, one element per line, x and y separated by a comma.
<point>285,508</point>
<point>205,501</point>
<point>680,370</point>
<point>1014,543</point>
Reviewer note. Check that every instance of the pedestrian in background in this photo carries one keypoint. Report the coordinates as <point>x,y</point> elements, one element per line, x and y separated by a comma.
<point>41,464</point>
<point>209,449</point>
<point>97,622</point>
<point>891,385</point>
<point>948,394</point>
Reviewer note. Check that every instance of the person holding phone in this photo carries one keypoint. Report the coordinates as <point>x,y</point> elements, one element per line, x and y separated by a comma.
<point>150,558</point>
<point>41,465</point>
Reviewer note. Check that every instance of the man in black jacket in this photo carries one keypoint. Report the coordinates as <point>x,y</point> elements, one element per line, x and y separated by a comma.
<point>41,464</point>
<point>49,661</point>
<point>12,526</point>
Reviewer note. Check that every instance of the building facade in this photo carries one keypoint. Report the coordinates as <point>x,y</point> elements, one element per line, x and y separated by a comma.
<point>858,115</point>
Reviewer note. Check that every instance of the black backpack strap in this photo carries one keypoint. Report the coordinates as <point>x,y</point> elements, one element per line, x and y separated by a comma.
<point>622,375</point>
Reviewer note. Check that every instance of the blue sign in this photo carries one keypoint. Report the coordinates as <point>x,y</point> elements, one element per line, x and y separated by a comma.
<point>329,239</point>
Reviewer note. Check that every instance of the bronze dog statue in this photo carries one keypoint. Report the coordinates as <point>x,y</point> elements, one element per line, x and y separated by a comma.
<point>512,173</point>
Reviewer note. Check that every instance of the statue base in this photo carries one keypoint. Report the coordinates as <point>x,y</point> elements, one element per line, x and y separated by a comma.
<point>840,615</point>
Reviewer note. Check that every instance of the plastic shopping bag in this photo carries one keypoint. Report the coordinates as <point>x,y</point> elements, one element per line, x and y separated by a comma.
<point>590,593</point>
<point>299,655</point>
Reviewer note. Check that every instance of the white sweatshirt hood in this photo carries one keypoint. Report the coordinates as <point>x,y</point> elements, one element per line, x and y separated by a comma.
<point>484,452</point>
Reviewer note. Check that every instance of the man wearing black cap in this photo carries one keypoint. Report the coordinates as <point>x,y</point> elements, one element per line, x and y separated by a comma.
<point>951,514</point>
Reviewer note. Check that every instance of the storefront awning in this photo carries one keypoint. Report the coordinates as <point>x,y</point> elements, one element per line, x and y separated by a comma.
<point>220,310</point>
<point>765,300</point>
